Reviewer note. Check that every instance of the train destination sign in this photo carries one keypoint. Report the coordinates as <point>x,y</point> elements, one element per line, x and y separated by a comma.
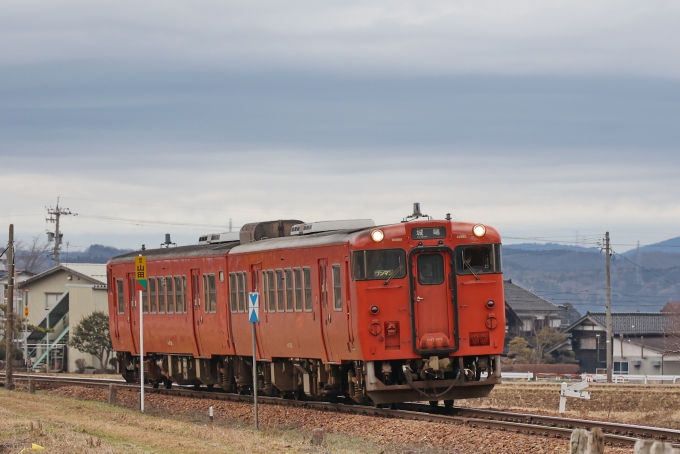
<point>428,233</point>
<point>140,272</point>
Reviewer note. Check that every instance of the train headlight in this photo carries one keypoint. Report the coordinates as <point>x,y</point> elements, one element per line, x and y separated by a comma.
<point>490,304</point>
<point>377,235</point>
<point>479,230</point>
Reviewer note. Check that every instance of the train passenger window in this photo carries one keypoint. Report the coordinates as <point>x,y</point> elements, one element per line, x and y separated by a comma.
<point>152,294</point>
<point>211,295</point>
<point>179,291</point>
<point>184,294</point>
<point>297,277</point>
<point>271,292</point>
<point>279,290</point>
<point>337,288</point>
<point>145,300</point>
<point>478,259</point>
<point>264,293</point>
<point>379,264</point>
<point>242,291</point>
<point>161,295</point>
<point>232,292</point>
<point>171,295</point>
<point>241,299</point>
<point>289,290</point>
<point>306,274</point>
<point>430,269</point>
<point>121,296</point>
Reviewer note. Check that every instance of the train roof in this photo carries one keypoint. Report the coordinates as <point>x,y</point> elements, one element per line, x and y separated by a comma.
<point>206,250</point>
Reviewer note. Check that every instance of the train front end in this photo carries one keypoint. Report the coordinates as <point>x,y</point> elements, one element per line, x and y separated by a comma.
<point>430,312</point>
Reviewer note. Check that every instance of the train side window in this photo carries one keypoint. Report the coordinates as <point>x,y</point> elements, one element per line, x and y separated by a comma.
<point>152,295</point>
<point>179,291</point>
<point>306,273</point>
<point>263,292</point>
<point>205,293</point>
<point>281,304</point>
<point>243,291</point>
<point>161,295</point>
<point>337,288</point>
<point>271,291</point>
<point>184,294</point>
<point>145,300</point>
<point>211,296</point>
<point>121,296</point>
<point>297,278</point>
<point>232,292</point>
<point>171,294</point>
<point>289,290</point>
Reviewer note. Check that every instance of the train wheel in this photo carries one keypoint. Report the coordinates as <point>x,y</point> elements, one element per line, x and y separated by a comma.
<point>210,387</point>
<point>156,383</point>
<point>167,383</point>
<point>129,376</point>
<point>434,404</point>
<point>448,406</point>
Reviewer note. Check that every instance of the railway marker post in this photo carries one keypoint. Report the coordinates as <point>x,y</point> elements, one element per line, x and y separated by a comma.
<point>140,275</point>
<point>575,390</point>
<point>253,317</point>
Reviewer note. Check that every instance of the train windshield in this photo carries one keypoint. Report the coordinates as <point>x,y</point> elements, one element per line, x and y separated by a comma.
<point>478,259</point>
<point>379,264</point>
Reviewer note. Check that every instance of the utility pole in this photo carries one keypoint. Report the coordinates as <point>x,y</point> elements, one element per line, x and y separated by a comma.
<point>608,343</point>
<point>55,214</point>
<point>9,329</point>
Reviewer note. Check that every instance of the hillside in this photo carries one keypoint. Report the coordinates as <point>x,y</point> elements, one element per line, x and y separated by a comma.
<point>577,275</point>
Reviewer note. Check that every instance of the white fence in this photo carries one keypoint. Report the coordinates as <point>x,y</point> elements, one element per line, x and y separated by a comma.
<point>620,378</point>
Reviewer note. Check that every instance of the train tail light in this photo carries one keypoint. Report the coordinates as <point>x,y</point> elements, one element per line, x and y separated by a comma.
<point>479,339</point>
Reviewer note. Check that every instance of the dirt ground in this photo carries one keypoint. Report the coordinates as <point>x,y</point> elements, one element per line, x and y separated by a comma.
<point>651,405</point>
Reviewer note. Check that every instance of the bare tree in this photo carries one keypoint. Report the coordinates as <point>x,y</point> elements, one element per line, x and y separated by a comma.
<point>31,256</point>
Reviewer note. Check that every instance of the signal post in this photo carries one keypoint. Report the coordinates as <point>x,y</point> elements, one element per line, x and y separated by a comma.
<point>140,275</point>
<point>253,318</point>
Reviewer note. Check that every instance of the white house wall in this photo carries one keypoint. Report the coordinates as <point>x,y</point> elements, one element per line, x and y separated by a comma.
<point>632,352</point>
<point>83,301</point>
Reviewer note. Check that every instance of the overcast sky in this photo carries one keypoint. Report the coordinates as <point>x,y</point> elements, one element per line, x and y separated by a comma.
<point>551,120</point>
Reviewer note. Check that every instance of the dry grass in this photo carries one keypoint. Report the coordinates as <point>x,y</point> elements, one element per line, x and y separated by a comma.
<point>71,426</point>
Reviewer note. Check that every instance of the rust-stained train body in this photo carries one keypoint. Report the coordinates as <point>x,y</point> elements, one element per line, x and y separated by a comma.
<point>402,312</point>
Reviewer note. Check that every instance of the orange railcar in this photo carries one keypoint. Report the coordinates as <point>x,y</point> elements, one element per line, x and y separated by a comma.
<point>409,311</point>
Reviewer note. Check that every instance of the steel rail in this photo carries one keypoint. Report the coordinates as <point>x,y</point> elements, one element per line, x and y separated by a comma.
<point>536,425</point>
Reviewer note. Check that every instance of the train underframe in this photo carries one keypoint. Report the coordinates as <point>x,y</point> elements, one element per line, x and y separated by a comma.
<point>379,382</point>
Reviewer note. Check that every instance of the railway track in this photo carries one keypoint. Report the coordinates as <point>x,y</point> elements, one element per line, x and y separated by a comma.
<point>616,434</point>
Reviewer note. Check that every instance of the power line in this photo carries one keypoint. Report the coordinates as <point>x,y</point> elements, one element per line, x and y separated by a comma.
<point>645,269</point>
<point>150,222</point>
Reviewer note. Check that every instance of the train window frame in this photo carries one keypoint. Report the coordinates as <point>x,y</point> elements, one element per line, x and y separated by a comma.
<point>494,255</point>
<point>337,286</point>
<point>179,307</point>
<point>271,290</point>
<point>205,293</point>
<point>307,288</point>
<point>153,295</point>
<point>280,291</point>
<point>288,282</point>
<point>160,283</point>
<point>211,295</point>
<point>233,292</point>
<point>120,295</point>
<point>170,295</point>
<point>145,300</point>
<point>132,293</point>
<point>359,259</point>
<point>263,291</point>
<point>297,288</point>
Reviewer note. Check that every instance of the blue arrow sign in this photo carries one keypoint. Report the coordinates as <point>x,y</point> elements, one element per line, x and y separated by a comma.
<point>253,307</point>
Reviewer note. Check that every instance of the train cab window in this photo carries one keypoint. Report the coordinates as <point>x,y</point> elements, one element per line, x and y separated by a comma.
<point>279,291</point>
<point>289,290</point>
<point>242,291</point>
<point>233,290</point>
<point>161,295</point>
<point>297,278</point>
<point>379,264</point>
<point>152,295</point>
<point>430,269</point>
<point>179,291</point>
<point>478,259</point>
<point>120,293</point>
<point>306,274</point>
<point>271,291</point>
<point>337,288</point>
<point>209,293</point>
<point>184,294</point>
<point>171,294</point>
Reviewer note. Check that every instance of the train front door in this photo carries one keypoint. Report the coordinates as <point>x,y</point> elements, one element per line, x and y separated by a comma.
<point>432,301</point>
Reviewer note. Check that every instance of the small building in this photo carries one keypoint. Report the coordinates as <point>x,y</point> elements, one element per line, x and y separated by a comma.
<point>644,343</point>
<point>58,299</point>
<point>535,312</point>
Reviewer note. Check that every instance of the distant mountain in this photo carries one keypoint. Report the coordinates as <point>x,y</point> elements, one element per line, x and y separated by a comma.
<point>96,253</point>
<point>546,247</point>
<point>672,246</point>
